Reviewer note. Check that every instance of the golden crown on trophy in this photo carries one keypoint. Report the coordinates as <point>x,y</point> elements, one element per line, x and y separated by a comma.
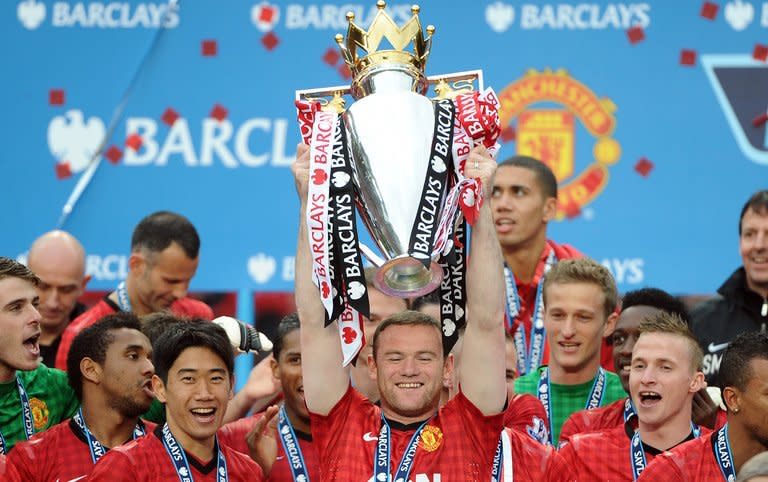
<point>375,60</point>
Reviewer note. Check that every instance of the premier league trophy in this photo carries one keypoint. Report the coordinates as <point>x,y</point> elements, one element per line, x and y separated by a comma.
<point>399,156</point>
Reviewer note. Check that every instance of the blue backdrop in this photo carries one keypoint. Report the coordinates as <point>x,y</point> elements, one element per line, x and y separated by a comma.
<point>682,146</point>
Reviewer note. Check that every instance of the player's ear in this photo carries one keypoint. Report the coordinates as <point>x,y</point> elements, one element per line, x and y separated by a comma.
<point>732,399</point>
<point>610,324</point>
<point>159,388</point>
<point>372,367</point>
<point>697,383</point>
<point>90,370</point>
<point>550,209</point>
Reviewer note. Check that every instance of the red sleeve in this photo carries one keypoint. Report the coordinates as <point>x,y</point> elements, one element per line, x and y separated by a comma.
<point>482,429</point>
<point>572,426</point>
<point>233,434</point>
<point>526,414</point>
<point>559,468</point>
<point>192,308</point>
<point>8,471</point>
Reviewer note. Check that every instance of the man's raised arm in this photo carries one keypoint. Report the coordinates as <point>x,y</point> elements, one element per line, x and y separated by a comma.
<point>325,379</point>
<point>482,367</point>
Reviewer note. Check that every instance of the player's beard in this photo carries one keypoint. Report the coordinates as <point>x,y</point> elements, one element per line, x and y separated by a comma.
<point>128,407</point>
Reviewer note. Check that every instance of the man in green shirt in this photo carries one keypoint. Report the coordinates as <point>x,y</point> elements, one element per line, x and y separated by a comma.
<point>33,397</point>
<point>580,300</point>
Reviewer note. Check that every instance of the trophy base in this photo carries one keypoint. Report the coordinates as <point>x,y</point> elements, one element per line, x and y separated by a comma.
<point>406,277</point>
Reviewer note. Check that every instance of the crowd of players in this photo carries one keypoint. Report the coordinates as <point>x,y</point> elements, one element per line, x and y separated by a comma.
<point>555,376</point>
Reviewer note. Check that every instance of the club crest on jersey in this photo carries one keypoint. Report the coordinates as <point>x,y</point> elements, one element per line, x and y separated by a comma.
<point>431,438</point>
<point>40,413</point>
<point>538,431</point>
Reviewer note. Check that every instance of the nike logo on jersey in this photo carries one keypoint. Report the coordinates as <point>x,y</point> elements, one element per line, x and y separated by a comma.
<point>75,479</point>
<point>369,437</point>
<point>280,457</point>
<point>717,347</point>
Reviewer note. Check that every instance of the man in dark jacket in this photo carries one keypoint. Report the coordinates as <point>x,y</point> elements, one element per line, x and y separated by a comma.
<point>743,302</point>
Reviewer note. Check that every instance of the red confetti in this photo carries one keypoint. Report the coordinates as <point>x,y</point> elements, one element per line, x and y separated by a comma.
<point>267,14</point>
<point>760,120</point>
<point>760,53</point>
<point>331,57</point>
<point>62,170</point>
<point>687,57</point>
<point>326,289</point>
<point>219,112</point>
<point>170,116</point>
<point>508,134</point>
<point>210,48</point>
<point>114,154</point>
<point>270,41</point>
<point>56,96</point>
<point>644,167</point>
<point>344,71</point>
<point>709,10</point>
<point>635,34</point>
<point>134,142</point>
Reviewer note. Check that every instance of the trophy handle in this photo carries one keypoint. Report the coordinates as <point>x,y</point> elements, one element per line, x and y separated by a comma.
<point>445,85</point>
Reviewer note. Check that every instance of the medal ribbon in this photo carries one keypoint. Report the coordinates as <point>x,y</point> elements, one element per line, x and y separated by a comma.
<point>528,357</point>
<point>291,447</point>
<point>383,453</point>
<point>637,454</point>
<point>179,458</point>
<point>502,460</point>
<point>594,400</point>
<point>26,412</point>
<point>721,447</point>
<point>629,410</point>
<point>96,448</point>
<point>123,301</point>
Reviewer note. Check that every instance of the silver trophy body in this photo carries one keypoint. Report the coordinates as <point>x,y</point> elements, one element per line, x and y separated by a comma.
<point>389,129</point>
<point>390,135</point>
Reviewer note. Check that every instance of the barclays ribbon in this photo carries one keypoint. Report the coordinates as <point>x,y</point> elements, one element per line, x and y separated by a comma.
<point>637,453</point>
<point>26,412</point>
<point>291,447</point>
<point>721,447</point>
<point>123,301</point>
<point>384,449</point>
<point>179,458</point>
<point>528,357</point>
<point>97,449</point>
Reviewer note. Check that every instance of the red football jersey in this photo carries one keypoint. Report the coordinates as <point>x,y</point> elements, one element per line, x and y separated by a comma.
<point>526,414</point>
<point>457,444</point>
<point>146,460</point>
<point>691,462</point>
<point>59,453</point>
<point>594,420</point>
<point>601,456</point>
<point>233,435</point>
<point>529,459</point>
<point>8,472</point>
<point>187,307</point>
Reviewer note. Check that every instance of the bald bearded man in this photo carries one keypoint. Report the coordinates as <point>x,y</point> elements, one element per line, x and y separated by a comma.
<point>58,259</point>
